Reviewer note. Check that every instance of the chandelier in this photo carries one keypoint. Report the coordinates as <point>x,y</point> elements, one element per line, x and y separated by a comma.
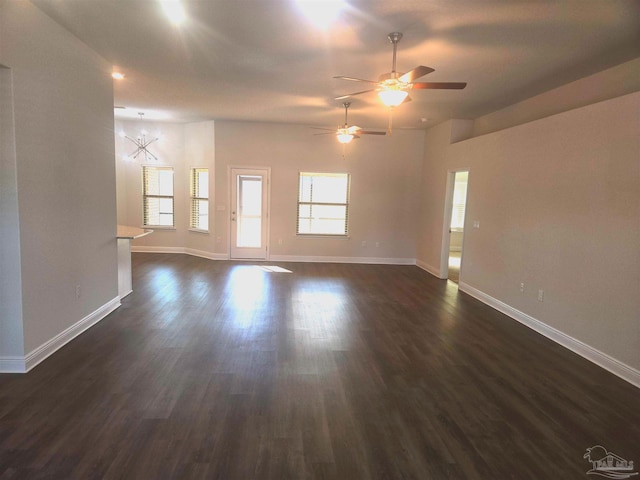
<point>142,143</point>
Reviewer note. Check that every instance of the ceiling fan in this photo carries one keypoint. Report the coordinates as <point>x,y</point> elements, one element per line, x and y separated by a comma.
<point>393,87</point>
<point>347,133</point>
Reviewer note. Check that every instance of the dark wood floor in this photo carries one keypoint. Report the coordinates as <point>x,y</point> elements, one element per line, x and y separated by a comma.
<point>221,370</point>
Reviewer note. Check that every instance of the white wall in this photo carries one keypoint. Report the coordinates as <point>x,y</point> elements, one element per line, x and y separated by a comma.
<point>200,152</point>
<point>63,106</point>
<point>170,152</point>
<point>559,209</point>
<point>181,146</point>
<point>11,334</point>
<point>611,83</point>
<point>385,173</point>
<point>385,183</point>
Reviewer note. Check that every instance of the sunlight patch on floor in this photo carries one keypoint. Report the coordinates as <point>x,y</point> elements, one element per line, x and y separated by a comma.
<point>272,269</point>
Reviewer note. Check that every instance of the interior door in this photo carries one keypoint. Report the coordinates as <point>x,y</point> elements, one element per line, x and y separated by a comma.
<point>249,213</point>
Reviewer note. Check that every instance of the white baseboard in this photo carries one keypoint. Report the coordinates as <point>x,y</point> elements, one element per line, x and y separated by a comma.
<point>279,258</point>
<point>33,358</point>
<point>188,251</point>
<point>592,354</point>
<point>428,268</point>
<point>151,249</point>
<point>12,365</point>
<point>203,254</point>
<point>328,259</point>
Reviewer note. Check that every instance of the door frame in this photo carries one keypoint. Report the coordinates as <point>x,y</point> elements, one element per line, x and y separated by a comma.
<point>446,226</point>
<point>267,219</point>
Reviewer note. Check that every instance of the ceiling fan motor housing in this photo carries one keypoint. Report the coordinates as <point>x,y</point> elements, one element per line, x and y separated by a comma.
<point>394,37</point>
<point>389,76</point>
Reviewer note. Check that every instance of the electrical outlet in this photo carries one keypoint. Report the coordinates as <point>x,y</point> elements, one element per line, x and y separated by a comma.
<point>78,292</point>
<point>364,243</point>
<point>377,244</point>
<point>521,287</point>
<point>279,241</point>
<point>540,295</point>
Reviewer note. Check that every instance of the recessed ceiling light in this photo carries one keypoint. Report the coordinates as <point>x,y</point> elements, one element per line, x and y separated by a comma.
<point>321,12</point>
<point>174,10</point>
<point>117,75</point>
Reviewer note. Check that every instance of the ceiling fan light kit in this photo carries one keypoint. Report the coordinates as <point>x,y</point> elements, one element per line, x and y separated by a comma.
<point>344,137</point>
<point>393,87</point>
<point>346,133</point>
<point>392,97</point>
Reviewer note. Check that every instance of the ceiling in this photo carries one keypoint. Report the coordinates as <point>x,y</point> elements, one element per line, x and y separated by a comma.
<point>264,60</point>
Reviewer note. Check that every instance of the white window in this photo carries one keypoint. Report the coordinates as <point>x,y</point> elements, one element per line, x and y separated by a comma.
<point>323,204</point>
<point>157,196</point>
<point>199,217</point>
<point>459,200</point>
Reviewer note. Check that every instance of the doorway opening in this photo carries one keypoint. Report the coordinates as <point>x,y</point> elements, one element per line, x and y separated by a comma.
<point>453,238</point>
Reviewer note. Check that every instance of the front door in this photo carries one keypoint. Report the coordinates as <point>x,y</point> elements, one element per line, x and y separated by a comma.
<point>249,213</point>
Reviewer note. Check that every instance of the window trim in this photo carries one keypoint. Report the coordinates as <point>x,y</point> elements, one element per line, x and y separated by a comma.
<point>347,204</point>
<point>145,196</point>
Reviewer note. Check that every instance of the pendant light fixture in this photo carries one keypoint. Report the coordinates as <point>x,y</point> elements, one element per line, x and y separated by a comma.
<point>141,143</point>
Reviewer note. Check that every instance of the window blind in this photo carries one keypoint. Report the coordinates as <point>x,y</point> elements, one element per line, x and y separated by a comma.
<point>199,215</point>
<point>323,204</point>
<point>157,196</point>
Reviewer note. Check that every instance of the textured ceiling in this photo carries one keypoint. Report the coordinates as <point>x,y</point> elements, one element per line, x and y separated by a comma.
<point>262,60</point>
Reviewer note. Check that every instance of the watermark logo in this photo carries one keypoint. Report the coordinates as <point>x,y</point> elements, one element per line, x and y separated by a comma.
<point>608,464</point>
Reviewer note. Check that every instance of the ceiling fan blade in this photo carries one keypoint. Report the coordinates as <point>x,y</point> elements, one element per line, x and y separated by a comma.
<point>367,132</point>
<point>353,129</point>
<point>321,128</point>
<point>353,79</point>
<point>419,71</point>
<point>406,100</point>
<point>352,94</point>
<point>440,85</point>
<point>326,133</point>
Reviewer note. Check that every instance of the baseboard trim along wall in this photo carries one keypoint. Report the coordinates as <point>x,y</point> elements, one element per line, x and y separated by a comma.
<point>428,268</point>
<point>327,259</point>
<point>594,355</point>
<point>279,258</point>
<point>188,251</point>
<point>12,365</point>
<point>26,363</point>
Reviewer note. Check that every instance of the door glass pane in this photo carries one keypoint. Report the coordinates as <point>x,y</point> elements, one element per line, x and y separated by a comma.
<point>249,217</point>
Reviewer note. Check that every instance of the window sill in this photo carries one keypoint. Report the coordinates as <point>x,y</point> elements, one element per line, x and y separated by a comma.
<point>321,235</point>
<point>159,227</point>
<point>197,230</point>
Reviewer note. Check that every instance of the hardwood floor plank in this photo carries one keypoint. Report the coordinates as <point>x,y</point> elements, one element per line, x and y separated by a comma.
<point>221,370</point>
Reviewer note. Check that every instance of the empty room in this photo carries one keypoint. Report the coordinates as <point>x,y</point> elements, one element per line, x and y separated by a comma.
<point>319,239</point>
